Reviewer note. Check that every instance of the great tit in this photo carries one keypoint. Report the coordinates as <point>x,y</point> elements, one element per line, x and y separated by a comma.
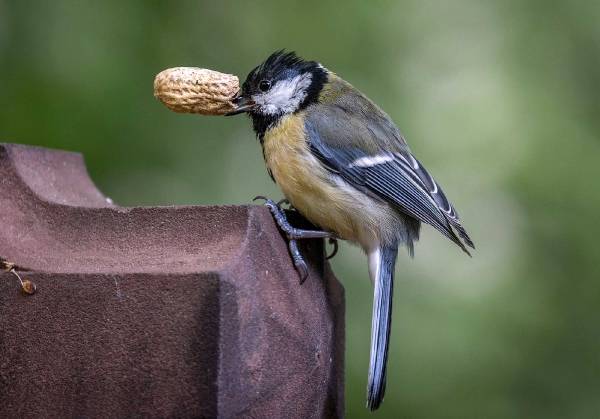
<point>343,164</point>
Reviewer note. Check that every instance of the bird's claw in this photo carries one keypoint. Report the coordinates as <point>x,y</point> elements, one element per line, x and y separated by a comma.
<point>298,260</point>
<point>334,242</point>
<point>294,234</point>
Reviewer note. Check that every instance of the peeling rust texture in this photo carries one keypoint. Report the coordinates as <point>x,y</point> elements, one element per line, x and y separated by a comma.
<point>156,312</point>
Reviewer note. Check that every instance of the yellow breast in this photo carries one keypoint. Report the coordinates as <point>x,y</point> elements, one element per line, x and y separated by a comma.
<point>329,203</point>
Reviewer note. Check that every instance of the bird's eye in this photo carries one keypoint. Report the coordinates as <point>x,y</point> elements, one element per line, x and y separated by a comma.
<point>264,85</point>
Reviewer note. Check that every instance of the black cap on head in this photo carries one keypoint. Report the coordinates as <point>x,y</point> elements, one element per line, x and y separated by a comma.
<point>281,65</point>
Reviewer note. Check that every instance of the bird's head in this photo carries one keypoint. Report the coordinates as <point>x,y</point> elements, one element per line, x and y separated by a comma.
<point>282,85</point>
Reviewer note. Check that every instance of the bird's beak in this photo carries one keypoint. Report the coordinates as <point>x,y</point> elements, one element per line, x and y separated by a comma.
<point>243,105</point>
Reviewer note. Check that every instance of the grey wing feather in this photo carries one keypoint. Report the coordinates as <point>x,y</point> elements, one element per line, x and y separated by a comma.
<point>439,197</point>
<point>399,180</point>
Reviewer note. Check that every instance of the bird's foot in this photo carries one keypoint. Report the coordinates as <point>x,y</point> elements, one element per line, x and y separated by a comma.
<point>294,234</point>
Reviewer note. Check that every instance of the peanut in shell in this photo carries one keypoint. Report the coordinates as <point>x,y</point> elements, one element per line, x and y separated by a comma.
<point>196,90</point>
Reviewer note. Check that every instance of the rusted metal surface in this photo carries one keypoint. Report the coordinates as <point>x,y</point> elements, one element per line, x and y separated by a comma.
<point>156,312</point>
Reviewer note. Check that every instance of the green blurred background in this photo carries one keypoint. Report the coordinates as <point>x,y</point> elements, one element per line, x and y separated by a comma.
<point>499,100</point>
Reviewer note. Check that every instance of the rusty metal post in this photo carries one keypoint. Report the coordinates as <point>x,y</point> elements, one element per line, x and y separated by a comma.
<point>156,312</point>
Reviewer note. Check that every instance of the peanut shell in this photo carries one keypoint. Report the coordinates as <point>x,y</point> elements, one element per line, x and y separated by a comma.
<point>196,90</point>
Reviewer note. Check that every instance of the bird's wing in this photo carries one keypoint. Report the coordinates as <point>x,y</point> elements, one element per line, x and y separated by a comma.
<point>388,172</point>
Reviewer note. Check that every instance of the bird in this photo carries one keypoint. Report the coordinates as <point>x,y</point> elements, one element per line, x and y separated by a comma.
<point>343,164</point>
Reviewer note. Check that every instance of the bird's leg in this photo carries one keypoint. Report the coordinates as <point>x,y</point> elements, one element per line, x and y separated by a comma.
<point>294,234</point>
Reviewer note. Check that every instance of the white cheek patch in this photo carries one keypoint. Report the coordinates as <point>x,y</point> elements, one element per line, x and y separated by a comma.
<point>285,96</point>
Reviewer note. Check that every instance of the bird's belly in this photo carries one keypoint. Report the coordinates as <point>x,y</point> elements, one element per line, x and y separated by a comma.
<point>322,197</point>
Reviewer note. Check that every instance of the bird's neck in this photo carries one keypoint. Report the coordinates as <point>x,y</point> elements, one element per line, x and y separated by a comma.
<point>262,123</point>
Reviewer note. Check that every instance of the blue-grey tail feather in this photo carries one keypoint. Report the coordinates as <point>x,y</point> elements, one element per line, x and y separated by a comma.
<point>381,327</point>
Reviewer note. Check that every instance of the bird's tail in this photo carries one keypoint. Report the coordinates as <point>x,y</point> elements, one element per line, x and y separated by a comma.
<point>381,269</point>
